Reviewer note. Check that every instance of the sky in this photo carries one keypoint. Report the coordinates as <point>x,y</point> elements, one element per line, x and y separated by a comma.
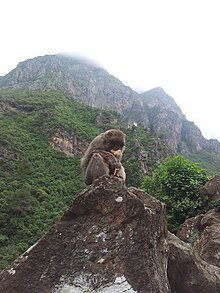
<point>173,44</point>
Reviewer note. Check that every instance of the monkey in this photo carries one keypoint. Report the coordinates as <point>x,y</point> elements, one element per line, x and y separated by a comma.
<point>103,156</point>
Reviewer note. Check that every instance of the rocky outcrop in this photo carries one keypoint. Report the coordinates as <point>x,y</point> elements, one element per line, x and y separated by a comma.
<point>167,125</point>
<point>212,189</point>
<point>9,105</point>
<point>158,97</point>
<point>68,143</point>
<point>187,272</point>
<point>203,233</point>
<point>112,239</point>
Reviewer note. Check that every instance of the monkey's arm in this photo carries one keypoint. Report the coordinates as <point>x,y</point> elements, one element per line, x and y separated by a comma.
<point>108,157</point>
<point>96,168</point>
<point>110,160</point>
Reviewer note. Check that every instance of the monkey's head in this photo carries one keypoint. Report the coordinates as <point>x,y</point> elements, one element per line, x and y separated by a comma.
<point>115,142</point>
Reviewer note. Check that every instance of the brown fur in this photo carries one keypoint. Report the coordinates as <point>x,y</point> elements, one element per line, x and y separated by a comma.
<point>99,160</point>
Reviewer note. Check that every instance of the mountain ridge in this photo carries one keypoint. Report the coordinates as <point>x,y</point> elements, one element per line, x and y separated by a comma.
<point>94,86</point>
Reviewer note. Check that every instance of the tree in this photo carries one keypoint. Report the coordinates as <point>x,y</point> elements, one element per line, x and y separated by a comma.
<point>177,182</point>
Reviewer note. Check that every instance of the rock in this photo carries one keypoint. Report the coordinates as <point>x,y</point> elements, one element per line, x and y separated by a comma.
<point>190,230</point>
<point>187,273</point>
<point>203,232</point>
<point>68,143</point>
<point>208,245</point>
<point>212,188</point>
<point>112,239</point>
<point>157,96</point>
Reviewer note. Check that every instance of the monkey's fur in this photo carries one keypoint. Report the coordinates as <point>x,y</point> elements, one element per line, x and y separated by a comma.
<point>103,156</point>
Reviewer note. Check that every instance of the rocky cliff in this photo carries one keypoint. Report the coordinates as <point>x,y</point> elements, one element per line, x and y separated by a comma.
<point>112,239</point>
<point>158,97</point>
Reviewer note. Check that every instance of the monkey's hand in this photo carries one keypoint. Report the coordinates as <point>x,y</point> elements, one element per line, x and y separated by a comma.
<point>117,166</point>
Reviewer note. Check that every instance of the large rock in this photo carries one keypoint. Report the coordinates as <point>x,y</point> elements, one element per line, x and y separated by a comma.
<point>203,233</point>
<point>212,188</point>
<point>112,239</point>
<point>187,272</point>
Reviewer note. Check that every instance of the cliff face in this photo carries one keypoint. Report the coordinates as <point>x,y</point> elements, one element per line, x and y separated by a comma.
<point>112,239</point>
<point>157,97</point>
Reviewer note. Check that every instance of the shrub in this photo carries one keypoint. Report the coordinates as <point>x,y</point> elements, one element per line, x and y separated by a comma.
<point>177,182</point>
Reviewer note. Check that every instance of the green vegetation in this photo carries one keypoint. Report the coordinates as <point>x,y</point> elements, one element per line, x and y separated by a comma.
<point>207,160</point>
<point>37,183</point>
<point>177,182</point>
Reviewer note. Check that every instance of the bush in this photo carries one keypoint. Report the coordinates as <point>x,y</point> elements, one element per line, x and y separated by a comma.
<point>177,182</point>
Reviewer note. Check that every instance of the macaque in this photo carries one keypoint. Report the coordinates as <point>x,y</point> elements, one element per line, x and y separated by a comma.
<point>103,156</point>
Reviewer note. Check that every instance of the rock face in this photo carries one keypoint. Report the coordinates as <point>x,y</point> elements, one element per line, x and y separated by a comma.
<point>112,239</point>
<point>69,143</point>
<point>187,272</point>
<point>212,188</point>
<point>203,233</point>
<point>168,125</point>
<point>157,97</point>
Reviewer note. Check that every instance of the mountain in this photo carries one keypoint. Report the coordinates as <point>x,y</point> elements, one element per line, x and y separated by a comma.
<point>85,81</point>
<point>155,110</point>
<point>158,97</point>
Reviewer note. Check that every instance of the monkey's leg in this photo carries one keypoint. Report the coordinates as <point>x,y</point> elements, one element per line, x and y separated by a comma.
<point>122,173</point>
<point>96,168</point>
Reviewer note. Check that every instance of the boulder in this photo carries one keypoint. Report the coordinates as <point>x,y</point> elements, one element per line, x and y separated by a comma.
<point>212,189</point>
<point>187,272</point>
<point>112,239</point>
<point>203,232</point>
